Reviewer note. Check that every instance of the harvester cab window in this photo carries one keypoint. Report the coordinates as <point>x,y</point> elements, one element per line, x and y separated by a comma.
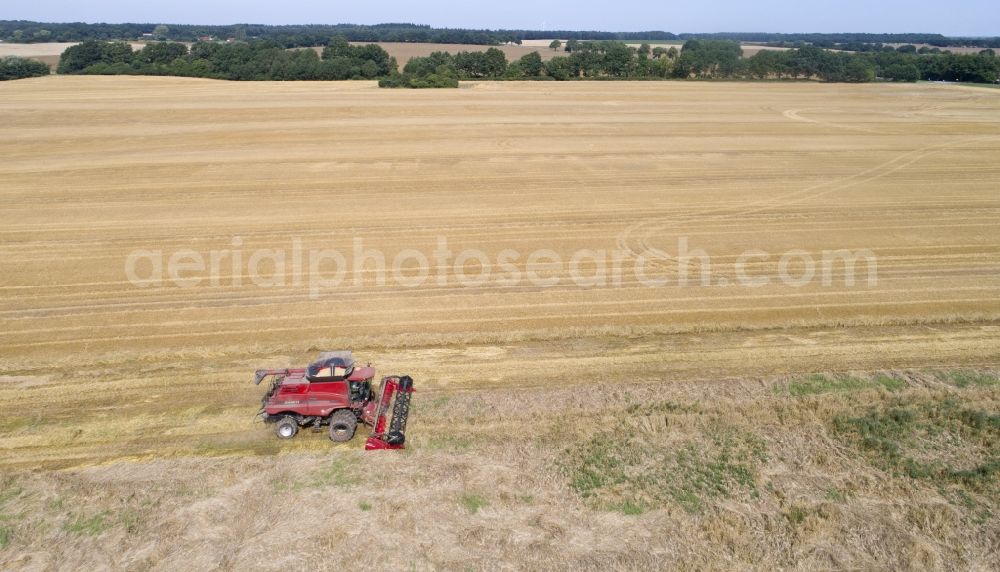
<point>337,372</point>
<point>332,366</point>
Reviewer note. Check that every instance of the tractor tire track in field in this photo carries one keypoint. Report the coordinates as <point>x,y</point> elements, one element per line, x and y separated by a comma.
<point>647,229</point>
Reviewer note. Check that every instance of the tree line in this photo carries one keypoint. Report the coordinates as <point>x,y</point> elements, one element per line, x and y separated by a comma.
<point>19,68</point>
<point>293,36</point>
<point>698,59</point>
<point>609,59</point>
<point>287,36</point>
<point>257,60</point>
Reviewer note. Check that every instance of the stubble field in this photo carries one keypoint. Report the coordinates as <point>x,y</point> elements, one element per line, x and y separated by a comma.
<point>110,388</point>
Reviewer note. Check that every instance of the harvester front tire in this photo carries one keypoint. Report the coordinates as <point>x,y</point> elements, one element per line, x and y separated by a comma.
<point>343,424</point>
<point>286,428</point>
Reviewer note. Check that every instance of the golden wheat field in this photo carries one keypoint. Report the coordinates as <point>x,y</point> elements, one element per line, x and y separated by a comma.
<point>561,320</point>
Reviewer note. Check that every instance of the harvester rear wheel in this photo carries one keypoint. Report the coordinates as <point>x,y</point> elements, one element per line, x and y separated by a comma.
<point>287,427</point>
<point>343,424</point>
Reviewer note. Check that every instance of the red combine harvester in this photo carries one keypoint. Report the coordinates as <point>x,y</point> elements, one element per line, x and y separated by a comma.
<point>335,392</point>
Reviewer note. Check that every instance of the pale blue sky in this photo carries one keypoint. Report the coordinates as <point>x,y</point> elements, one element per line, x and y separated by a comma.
<point>956,18</point>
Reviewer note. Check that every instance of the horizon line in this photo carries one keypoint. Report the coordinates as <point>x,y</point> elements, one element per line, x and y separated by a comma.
<point>536,30</point>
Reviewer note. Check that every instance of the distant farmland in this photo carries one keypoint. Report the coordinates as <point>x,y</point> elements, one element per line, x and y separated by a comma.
<point>402,51</point>
<point>50,52</point>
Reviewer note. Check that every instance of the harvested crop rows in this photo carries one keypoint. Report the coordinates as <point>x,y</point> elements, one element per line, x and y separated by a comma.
<point>96,168</point>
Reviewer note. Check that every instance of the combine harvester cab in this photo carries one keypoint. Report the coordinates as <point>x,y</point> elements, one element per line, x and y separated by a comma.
<point>334,392</point>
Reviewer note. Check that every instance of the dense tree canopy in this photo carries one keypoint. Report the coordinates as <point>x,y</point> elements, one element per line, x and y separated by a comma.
<point>489,64</point>
<point>78,58</point>
<point>20,68</point>
<point>256,60</point>
<point>160,53</point>
<point>368,61</point>
<point>708,58</point>
<point>442,69</point>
